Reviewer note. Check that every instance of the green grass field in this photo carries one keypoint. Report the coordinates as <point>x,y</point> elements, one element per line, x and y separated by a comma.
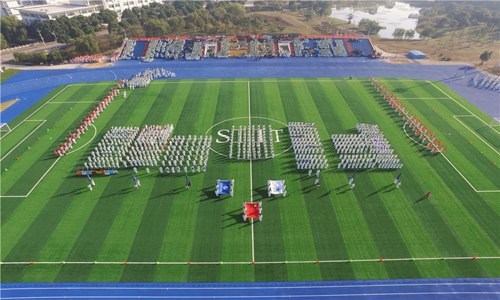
<point>48,217</point>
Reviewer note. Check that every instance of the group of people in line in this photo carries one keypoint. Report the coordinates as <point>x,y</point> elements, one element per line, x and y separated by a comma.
<point>252,142</point>
<point>365,150</point>
<point>186,154</point>
<point>307,147</point>
<point>63,148</point>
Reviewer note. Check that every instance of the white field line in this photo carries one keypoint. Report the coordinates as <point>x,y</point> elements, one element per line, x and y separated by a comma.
<point>460,104</point>
<point>18,144</point>
<point>116,76</point>
<point>95,133</point>
<point>486,143</point>
<point>36,184</point>
<point>453,166</point>
<point>41,106</point>
<point>251,179</point>
<point>43,176</point>
<point>332,261</point>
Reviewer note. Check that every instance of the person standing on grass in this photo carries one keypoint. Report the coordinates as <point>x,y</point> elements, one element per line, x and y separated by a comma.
<point>428,195</point>
<point>188,182</point>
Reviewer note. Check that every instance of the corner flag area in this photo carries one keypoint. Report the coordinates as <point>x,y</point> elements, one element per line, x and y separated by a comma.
<point>422,215</point>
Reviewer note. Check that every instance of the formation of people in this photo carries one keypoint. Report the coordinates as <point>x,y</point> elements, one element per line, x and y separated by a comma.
<point>73,137</point>
<point>144,78</point>
<point>87,59</point>
<point>487,82</point>
<point>365,150</point>
<point>112,149</point>
<point>307,147</point>
<point>186,154</point>
<point>251,142</point>
<point>147,148</point>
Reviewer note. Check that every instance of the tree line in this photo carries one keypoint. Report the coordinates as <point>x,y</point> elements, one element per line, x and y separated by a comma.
<point>443,16</point>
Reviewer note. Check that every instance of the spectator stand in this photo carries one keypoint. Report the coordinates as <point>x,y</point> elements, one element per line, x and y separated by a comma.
<point>360,46</point>
<point>237,47</point>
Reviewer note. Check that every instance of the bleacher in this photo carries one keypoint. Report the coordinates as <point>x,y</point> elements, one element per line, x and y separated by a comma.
<point>360,46</point>
<point>139,49</point>
<point>339,48</point>
<point>195,48</point>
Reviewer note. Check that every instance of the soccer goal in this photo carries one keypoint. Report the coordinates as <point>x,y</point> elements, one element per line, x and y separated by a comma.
<point>4,127</point>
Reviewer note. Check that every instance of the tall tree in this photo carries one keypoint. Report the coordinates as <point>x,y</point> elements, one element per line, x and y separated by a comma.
<point>86,44</point>
<point>155,27</point>
<point>369,27</point>
<point>485,56</point>
<point>399,33</point>
<point>3,42</point>
<point>13,30</point>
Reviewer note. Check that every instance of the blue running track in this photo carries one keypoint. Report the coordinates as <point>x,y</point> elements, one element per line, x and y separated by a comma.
<point>419,289</point>
<point>31,86</point>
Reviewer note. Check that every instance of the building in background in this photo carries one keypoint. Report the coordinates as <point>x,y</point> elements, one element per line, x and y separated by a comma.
<point>10,8</point>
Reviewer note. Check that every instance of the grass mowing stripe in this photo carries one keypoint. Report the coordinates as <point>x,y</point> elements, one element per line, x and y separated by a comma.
<point>96,230</point>
<point>151,230</point>
<point>182,218</point>
<point>478,209</point>
<point>9,234</point>
<point>477,166</point>
<point>376,214</point>
<point>354,229</point>
<point>441,188</point>
<point>120,238</point>
<point>298,238</point>
<point>13,273</point>
<point>207,243</point>
<point>329,240</point>
<point>489,134</point>
<point>477,156</point>
<point>269,239</point>
<point>237,240</point>
<point>29,164</point>
<point>412,231</point>
<point>14,140</point>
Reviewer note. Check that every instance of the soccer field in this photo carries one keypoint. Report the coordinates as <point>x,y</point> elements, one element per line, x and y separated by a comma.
<point>55,230</point>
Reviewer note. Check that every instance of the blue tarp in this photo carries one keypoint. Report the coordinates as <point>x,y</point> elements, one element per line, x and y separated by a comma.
<point>415,54</point>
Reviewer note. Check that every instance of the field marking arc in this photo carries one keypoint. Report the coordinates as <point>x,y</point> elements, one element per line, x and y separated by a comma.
<point>18,144</point>
<point>91,139</point>
<point>451,164</point>
<point>239,118</point>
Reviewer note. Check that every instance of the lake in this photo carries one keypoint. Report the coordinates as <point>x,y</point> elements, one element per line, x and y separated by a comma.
<point>390,18</point>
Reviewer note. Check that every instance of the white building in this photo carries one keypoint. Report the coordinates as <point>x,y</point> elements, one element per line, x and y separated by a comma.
<point>40,13</point>
<point>120,5</point>
<point>42,10</point>
<point>10,8</point>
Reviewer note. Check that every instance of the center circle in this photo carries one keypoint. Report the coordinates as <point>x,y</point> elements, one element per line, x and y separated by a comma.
<point>222,129</point>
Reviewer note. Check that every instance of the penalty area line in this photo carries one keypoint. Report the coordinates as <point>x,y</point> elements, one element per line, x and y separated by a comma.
<point>43,105</point>
<point>18,144</point>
